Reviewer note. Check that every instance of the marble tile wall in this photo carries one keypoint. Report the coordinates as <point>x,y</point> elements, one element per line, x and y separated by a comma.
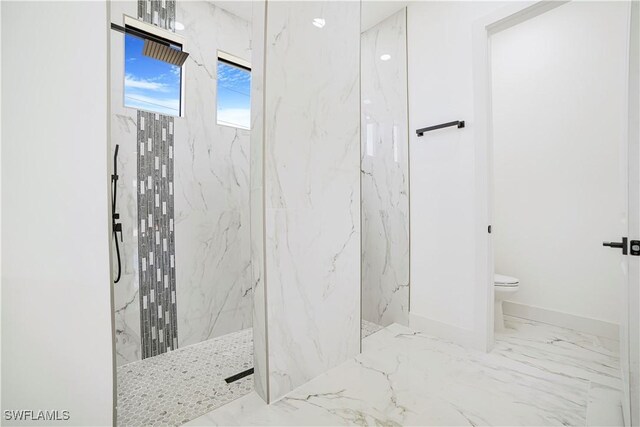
<point>384,173</point>
<point>260,355</point>
<point>311,189</point>
<point>124,133</point>
<point>212,185</point>
<point>211,193</point>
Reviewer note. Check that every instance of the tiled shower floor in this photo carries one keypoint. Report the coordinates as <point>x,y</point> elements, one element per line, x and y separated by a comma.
<point>175,387</point>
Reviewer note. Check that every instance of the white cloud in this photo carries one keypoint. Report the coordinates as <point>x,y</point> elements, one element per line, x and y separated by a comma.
<point>131,81</point>
<point>233,75</point>
<point>239,117</point>
<point>159,105</point>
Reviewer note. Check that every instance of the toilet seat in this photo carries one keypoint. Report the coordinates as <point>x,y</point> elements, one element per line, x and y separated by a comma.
<point>503,281</point>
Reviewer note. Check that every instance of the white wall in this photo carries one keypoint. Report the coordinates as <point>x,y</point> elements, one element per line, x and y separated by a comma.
<point>559,93</point>
<point>447,298</point>
<point>56,320</point>
<point>443,279</point>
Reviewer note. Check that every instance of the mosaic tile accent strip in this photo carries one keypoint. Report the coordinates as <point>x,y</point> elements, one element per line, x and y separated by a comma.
<point>176,387</point>
<point>158,12</point>
<point>156,240</point>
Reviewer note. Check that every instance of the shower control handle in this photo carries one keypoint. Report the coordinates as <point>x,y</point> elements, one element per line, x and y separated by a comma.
<point>618,245</point>
<point>117,228</point>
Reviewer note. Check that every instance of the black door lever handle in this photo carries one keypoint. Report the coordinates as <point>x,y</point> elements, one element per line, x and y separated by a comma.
<point>619,245</point>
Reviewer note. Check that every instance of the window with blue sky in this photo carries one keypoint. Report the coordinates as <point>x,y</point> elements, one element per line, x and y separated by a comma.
<point>150,84</point>
<point>234,99</point>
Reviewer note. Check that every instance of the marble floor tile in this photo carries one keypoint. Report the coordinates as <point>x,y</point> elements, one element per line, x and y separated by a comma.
<point>604,407</point>
<point>175,387</point>
<point>536,375</point>
<point>560,351</point>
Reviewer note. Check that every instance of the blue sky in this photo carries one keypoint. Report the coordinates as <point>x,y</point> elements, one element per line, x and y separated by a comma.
<point>234,101</point>
<point>150,84</point>
<point>155,86</point>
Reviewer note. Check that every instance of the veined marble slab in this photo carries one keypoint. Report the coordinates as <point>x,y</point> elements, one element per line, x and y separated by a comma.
<point>405,377</point>
<point>385,172</point>
<point>124,133</point>
<point>560,351</point>
<point>258,312</point>
<point>211,193</point>
<point>307,221</point>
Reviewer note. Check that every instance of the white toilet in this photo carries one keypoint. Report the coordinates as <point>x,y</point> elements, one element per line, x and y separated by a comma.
<point>503,286</point>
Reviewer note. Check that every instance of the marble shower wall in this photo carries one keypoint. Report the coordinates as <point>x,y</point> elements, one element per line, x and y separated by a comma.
<point>212,185</point>
<point>211,193</point>
<point>259,312</point>
<point>124,132</point>
<point>309,192</point>
<point>385,177</point>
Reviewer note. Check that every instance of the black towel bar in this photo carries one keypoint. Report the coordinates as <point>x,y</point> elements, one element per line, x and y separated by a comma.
<point>458,123</point>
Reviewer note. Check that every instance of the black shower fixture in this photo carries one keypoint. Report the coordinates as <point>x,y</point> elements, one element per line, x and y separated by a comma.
<point>116,226</point>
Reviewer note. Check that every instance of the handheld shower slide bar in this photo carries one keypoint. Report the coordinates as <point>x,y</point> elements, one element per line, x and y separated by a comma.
<point>116,226</point>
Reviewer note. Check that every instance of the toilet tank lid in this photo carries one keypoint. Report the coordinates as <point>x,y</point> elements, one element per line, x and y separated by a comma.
<point>506,280</point>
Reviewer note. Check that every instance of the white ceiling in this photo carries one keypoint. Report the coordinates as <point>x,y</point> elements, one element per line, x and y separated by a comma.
<point>373,11</point>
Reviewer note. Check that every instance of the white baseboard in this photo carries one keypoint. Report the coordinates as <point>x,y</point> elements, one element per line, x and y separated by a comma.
<point>587,325</point>
<point>464,337</point>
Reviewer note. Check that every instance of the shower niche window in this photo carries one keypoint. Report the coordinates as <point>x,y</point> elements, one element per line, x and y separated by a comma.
<point>152,69</point>
<point>234,88</point>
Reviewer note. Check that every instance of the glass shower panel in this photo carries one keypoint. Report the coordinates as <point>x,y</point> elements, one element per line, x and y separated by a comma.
<point>384,173</point>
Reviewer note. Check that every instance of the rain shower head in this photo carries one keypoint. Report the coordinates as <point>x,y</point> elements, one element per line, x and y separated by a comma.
<point>156,47</point>
<point>165,53</point>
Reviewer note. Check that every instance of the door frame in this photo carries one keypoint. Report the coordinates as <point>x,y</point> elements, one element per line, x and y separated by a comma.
<point>630,326</point>
<point>482,31</point>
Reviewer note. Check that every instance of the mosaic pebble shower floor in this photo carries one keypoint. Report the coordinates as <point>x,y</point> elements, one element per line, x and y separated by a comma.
<point>176,387</point>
